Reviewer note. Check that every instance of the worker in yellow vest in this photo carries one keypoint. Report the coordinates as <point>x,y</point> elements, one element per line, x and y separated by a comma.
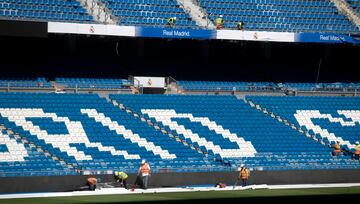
<point>171,21</point>
<point>121,177</point>
<point>144,172</point>
<point>219,22</point>
<point>240,25</point>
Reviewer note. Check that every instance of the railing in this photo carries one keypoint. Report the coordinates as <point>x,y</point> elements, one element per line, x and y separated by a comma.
<point>255,88</point>
<point>170,80</point>
<point>62,86</point>
<point>31,85</point>
<point>201,9</point>
<point>230,88</point>
<point>136,83</point>
<point>234,167</point>
<point>38,173</point>
<point>158,170</point>
<point>252,167</point>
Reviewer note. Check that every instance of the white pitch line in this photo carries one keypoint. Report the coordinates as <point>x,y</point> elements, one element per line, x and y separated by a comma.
<point>122,191</point>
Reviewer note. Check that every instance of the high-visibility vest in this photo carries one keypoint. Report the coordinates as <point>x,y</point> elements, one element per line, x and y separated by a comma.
<point>244,173</point>
<point>92,180</point>
<point>337,148</point>
<point>122,175</point>
<point>357,149</point>
<point>145,168</point>
<point>219,21</point>
<point>171,20</point>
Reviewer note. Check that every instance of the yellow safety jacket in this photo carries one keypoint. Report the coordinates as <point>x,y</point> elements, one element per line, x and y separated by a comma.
<point>122,175</point>
<point>357,149</point>
<point>171,20</point>
<point>219,21</point>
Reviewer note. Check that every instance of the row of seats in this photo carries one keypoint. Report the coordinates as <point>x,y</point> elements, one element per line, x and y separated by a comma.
<point>247,86</point>
<point>355,4</point>
<point>93,83</point>
<point>269,8</point>
<point>67,83</point>
<point>39,82</point>
<point>270,2</point>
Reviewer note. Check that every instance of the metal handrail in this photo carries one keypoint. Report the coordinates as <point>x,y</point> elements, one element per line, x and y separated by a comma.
<point>32,172</point>
<point>354,90</point>
<point>65,86</point>
<point>156,170</point>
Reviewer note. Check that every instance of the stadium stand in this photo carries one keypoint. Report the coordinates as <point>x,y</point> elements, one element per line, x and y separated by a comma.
<point>94,144</point>
<point>284,16</point>
<point>93,83</point>
<point>278,147</point>
<point>149,13</point>
<point>329,118</point>
<point>265,86</point>
<point>212,86</point>
<point>44,10</point>
<point>39,82</point>
<point>175,133</point>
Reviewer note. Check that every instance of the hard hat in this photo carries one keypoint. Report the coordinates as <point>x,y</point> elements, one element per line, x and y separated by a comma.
<point>242,165</point>
<point>175,17</point>
<point>221,16</point>
<point>143,161</point>
<point>116,173</point>
<point>357,142</point>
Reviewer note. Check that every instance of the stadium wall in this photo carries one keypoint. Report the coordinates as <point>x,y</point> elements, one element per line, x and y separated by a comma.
<point>23,28</point>
<point>73,183</point>
<point>138,31</point>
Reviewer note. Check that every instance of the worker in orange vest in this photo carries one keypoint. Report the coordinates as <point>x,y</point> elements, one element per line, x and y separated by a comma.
<point>91,182</point>
<point>243,175</point>
<point>144,172</point>
<point>337,149</point>
<point>357,150</point>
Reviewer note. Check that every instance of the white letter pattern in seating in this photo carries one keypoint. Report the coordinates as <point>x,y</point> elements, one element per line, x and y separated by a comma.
<point>246,149</point>
<point>62,141</point>
<point>16,152</point>
<point>77,133</point>
<point>304,118</point>
<point>128,134</point>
